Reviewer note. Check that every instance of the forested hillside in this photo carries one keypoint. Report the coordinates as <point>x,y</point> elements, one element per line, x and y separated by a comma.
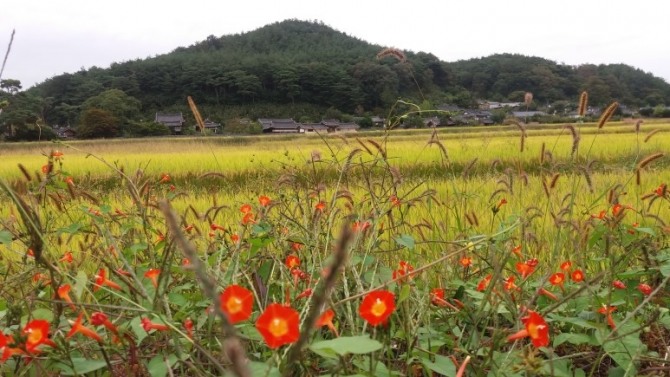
<point>301,69</point>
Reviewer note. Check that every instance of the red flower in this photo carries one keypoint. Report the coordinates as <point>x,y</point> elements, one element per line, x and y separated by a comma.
<point>546,293</point>
<point>5,351</point>
<point>320,206</point>
<point>67,257</point>
<point>484,283</point>
<point>100,318</point>
<point>235,238</point>
<point>607,310</point>
<point>377,306</point>
<point>46,169</point>
<point>524,269</point>
<point>37,333</point>
<point>405,269</point>
<point>101,280</point>
<point>618,284</point>
<point>188,228</point>
<point>617,208</point>
<point>557,279</point>
<point>63,293</point>
<point>536,328</point>
<point>292,261</point>
<point>661,190</point>
<point>77,327</point>
<point>437,297</point>
<point>237,302</point>
<point>278,325</point>
<point>165,178</point>
<point>215,226</point>
<point>360,226</point>
<point>245,208</point>
<point>509,283</point>
<point>264,200</point>
<point>533,262</point>
<point>465,261</point>
<point>600,215</point>
<point>577,276</point>
<point>394,200</point>
<point>147,325</point>
<point>517,251</point>
<point>188,325</point>
<point>296,246</point>
<point>644,288</point>
<point>248,218</point>
<point>304,294</point>
<point>501,203</point>
<point>153,274</point>
<point>567,265</point>
<point>326,319</point>
<point>57,155</point>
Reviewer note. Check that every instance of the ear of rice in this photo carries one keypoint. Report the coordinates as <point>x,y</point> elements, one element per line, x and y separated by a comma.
<point>583,101</point>
<point>607,114</point>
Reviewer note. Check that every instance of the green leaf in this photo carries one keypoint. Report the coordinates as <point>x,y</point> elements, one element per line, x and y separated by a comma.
<point>442,365</point>
<point>158,366</point>
<point>81,366</point>
<point>177,299</point>
<point>404,293</point>
<point>624,351</point>
<point>405,240</point>
<point>572,338</point>
<point>262,369</point>
<point>258,243</point>
<point>5,237</point>
<point>136,327</point>
<point>344,345</point>
<point>45,314</point>
<point>80,283</point>
<point>649,231</point>
<point>70,229</point>
<point>577,322</point>
<point>561,368</point>
<point>665,269</point>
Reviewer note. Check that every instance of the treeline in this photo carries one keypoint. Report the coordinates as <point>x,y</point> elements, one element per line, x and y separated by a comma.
<point>300,69</point>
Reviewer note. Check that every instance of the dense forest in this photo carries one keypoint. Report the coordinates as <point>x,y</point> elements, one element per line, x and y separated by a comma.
<point>303,70</point>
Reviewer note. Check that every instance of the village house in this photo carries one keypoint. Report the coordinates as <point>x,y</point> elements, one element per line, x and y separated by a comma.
<point>291,126</point>
<point>174,121</point>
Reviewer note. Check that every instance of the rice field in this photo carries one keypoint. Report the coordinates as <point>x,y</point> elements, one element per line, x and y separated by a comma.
<point>428,216</point>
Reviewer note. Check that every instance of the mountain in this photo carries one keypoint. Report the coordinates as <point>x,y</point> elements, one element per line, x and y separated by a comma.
<point>300,69</point>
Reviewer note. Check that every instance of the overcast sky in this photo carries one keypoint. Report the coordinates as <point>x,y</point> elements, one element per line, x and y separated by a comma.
<point>57,36</point>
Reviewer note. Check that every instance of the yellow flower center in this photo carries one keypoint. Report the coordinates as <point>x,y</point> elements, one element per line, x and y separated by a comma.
<point>34,336</point>
<point>378,308</point>
<point>234,305</point>
<point>534,330</point>
<point>278,327</point>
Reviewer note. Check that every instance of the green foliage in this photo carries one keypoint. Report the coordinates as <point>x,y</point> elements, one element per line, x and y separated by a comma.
<point>116,102</point>
<point>142,129</point>
<point>97,123</point>
<point>242,126</point>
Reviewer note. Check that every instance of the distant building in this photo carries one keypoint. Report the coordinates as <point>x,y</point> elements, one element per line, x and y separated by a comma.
<point>280,125</point>
<point>432,122</point>
<point>527,114</point>
<point>378,121</point>
<point>65,132</point>
<point>212,126</point>
<point>174,121</point>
